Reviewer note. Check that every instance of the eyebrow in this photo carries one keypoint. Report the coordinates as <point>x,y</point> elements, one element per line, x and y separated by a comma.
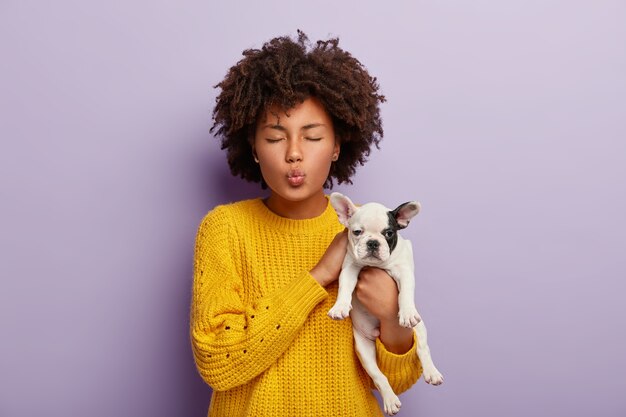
<point>283,129</point>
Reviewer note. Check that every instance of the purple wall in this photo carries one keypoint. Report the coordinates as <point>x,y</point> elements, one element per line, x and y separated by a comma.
<point>506,120</point>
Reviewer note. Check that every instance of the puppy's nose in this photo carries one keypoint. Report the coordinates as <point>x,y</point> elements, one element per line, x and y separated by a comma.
<point>373,244</point>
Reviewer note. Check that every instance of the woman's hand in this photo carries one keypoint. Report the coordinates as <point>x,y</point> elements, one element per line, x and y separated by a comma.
<point>328,268</point>
<point>378,292</point>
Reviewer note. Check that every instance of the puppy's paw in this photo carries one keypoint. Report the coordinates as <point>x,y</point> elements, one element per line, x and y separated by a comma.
<point>340,311</point>
<point>392,404</point>
<point>409,317</point>
<point>433,376</point>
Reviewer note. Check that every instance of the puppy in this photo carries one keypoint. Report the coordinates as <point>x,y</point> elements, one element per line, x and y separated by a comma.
<point>374,241</point>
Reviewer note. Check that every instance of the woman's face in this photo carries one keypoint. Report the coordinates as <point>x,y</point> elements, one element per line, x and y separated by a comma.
<point>295,151</point>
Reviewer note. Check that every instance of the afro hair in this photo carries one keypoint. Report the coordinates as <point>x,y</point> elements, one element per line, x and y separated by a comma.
<point>285,72</point>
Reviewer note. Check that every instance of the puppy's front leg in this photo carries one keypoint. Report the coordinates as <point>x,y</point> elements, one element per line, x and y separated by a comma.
<point>347,282</point>
<point>407,313</point>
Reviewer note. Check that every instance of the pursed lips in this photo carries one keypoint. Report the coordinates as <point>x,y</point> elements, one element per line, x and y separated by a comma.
<point>295,177</point>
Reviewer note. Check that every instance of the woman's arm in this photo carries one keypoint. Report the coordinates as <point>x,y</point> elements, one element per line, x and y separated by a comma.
<point>234,341</point>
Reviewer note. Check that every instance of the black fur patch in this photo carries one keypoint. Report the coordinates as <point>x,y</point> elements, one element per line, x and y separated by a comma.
<point>393,227</point>
<point>396,212</point>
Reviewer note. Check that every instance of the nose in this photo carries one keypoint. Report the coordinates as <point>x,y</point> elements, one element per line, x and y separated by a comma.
<point>373,244</point>
<point>294,153</point>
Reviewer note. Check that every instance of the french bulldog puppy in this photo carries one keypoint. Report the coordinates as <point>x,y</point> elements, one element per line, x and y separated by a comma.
<point>374,241</point>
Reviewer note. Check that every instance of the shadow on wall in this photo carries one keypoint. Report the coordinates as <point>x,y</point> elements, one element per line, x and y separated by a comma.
<point>194,393</point>
<point>227,188</point>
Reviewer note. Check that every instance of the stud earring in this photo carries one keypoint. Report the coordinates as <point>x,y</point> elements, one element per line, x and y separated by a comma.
<point>255,158</point>
<point>335,157</point>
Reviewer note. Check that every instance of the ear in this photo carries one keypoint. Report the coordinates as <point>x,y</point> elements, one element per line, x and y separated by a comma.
<point>343,206</point>
<point>405,212</point>
<point>336,148</point>
<point>253,149</point>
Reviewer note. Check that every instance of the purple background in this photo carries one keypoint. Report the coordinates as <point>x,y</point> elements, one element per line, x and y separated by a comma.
<point>506,120</point>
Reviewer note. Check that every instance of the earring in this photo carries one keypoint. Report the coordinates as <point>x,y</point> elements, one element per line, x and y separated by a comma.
<point>255,158</point>
<point>335,157</point>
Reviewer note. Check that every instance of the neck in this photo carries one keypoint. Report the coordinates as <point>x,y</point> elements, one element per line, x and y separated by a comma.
<point>312,207</point>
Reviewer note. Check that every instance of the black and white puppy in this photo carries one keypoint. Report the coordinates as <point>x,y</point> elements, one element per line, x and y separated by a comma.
<point>374,241</point>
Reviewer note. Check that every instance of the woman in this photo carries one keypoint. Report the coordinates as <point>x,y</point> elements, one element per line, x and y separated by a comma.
<point>265,270</point>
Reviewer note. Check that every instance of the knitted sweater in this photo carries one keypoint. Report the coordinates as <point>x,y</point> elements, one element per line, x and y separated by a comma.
<point>259,330</point>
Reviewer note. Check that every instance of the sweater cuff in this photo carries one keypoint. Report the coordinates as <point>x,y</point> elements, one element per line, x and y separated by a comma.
<point>401,366</point>
<point>302,294</point>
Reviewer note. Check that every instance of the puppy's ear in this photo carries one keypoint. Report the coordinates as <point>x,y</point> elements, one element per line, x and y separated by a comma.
<point>405,212</point>
<point>343,206</point>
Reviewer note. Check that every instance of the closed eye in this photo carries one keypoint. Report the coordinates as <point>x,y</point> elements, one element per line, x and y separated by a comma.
<point>313,139</point>
<point>273,140</point>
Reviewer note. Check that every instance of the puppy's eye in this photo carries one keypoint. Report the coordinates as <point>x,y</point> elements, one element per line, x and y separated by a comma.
<point>357,232</point>
<point>388,234</point>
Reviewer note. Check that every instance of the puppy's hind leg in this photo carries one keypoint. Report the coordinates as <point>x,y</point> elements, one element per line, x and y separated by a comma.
<point>366,350</point>
<point>431,374</point>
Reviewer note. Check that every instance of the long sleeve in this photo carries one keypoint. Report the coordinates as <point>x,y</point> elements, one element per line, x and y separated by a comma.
<point>234,338</point>
<point>402,370</point>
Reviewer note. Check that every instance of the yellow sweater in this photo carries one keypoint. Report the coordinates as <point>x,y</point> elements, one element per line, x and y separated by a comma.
<point>259,330</point>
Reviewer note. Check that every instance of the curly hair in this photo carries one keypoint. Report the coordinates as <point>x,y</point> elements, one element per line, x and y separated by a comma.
<point>284,73</point>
